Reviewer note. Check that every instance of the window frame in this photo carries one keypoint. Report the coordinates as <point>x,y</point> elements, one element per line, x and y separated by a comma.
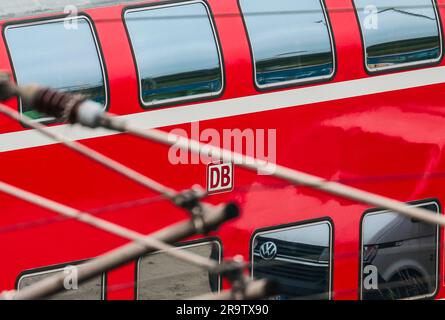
<point>182,245</point>
<point>184,99</point>
<point>418,203</point>
<point>298,82</point>
<point>403,66</point>
<point>56,268</point>
<point>297,225</point>
<point>55,19</point>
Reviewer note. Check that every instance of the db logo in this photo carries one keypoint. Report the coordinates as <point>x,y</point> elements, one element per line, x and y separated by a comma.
<point>219,177</point>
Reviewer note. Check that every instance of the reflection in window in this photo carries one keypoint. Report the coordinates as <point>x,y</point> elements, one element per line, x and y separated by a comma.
<point>290,40</point>
<point>89,290</point>
<point>398,33</point>
<point>298,258</point>
<point>181,58</point>
<point>400,253</point>
<point>162,277</point>
<point>63,58</point>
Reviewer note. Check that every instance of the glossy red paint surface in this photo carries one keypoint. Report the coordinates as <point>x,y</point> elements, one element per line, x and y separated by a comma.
<point>389,143</point>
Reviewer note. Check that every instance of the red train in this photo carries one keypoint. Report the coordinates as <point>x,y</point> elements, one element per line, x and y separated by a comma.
<point>348,90</point>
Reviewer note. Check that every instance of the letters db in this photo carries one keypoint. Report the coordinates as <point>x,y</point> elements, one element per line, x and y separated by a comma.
<point>220,177</point>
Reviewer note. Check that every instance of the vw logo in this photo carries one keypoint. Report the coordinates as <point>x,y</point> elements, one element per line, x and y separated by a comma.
<point>268,250</point>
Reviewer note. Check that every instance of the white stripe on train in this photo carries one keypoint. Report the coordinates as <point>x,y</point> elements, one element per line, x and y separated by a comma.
<point>239,106</point>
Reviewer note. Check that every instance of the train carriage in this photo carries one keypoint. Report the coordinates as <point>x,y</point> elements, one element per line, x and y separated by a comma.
<point>348,90</point>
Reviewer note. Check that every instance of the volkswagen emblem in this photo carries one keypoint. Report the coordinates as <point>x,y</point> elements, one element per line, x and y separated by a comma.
<point>268,250</point>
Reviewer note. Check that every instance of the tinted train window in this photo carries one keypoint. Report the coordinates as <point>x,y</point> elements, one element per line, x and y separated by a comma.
<point>399,33</point>
<point>162,277</point>
<point>290,41</point>
<point>177,54</point>
<point>62,54</point>
<point>299,258</point>
<point>89,290</point>
<point>399,256</point>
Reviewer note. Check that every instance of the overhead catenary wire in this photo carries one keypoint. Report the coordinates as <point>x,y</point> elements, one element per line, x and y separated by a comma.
<point>188,200</point>
<point>291,175</point>
<point>53,284</point>
<point>103,224</point>
<point>92,115</point>
<point>238,189</point>
<point>97,211</point>
<point>124,254</point>
<point>92,154</point>
<point>107,226</point>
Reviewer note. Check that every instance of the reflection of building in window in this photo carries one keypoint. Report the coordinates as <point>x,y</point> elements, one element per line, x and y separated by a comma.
<point>298,258</point>
<point>64,59</point>
<point>181,60</point>
<point>403,252</point>
<point>407,33</point>
<point>162,277</point>
<point>90,290</point>
<point>290,41</point>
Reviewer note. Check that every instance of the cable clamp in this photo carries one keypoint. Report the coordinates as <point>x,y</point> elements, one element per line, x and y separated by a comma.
<point>234,272</point>
<point>190,200</point>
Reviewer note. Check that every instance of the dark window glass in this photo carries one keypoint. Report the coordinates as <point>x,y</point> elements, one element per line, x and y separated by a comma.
<point>399,33</point>
<point>62,54</point>
<point>298,258</point>
<point>290,40</point>
<point>162,277</point>
<point>176,50</point>
<point>399,256</point>
<point>90,290</point>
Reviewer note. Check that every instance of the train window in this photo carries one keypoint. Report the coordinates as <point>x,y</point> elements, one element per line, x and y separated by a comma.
<point>61,53</point>
<point>90,290</point>
<point>290,41</point>
<point>162,277</point>
<point>399,33</point>
<point>299,258</point>
<point>182,59</point>
<point>399,256</point>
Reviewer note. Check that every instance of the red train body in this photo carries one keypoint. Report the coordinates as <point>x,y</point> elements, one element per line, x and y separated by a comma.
<point>378,132</point>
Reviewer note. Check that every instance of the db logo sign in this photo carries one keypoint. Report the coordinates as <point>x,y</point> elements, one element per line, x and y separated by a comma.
<point>220,177</point>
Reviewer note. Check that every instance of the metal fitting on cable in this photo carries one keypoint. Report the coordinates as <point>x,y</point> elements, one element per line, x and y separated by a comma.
<point>234,272</point>
<point>242,287</point>
<point>190,200</point>
<point>74,108</point>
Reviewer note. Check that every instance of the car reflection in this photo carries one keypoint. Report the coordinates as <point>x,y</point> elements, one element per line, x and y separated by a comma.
<point>403,251</point>
<point>299,259</point>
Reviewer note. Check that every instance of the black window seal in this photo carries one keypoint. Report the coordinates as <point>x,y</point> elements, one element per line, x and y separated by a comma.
<point>185,99</point>
<point>299,82</point>
<point>416,203</point>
